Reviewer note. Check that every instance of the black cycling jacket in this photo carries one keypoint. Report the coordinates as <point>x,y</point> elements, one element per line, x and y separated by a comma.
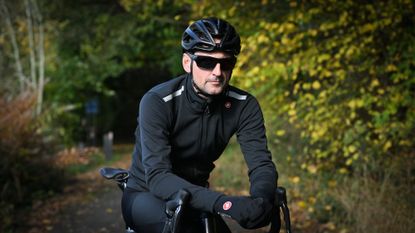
<point>179,136</point>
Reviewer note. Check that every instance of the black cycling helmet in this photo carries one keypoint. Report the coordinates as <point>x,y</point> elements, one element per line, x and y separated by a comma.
<point>201,35</point>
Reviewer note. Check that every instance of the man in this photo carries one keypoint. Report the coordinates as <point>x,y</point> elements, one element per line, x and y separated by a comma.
<point>185,124</point>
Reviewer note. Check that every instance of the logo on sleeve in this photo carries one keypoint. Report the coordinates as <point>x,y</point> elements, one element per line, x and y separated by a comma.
<point>227,205</point>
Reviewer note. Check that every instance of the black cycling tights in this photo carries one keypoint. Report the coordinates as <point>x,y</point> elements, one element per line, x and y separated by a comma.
<point>144,213</point>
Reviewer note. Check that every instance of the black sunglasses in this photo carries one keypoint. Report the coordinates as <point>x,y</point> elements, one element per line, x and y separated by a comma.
<point>209,63</point>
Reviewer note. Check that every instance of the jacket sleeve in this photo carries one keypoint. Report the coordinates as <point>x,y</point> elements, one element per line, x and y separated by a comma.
<point>155,123</point>
<point>252,139</point>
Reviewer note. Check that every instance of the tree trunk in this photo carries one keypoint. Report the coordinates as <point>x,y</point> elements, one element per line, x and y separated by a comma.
<point>16,53</point>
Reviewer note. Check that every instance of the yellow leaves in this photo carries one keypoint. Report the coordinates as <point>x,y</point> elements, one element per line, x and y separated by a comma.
<point>326,26</point>
<point>355,103</point>
<point>318,133</point>
<point>286,28</point>
<point>340,74</point>
<point>351,149</point>
<point>285,40</point>
<point>351,51</point>
<point>387,146</point>
<point>386,22</point>
<point>343,170</point>
<point>343,18</point>
<point>328,207</point>
<point>292,113</point>
<point>302,204</point>
<point>289,27</point>
<point>254,71</point>
<point>316,85</point>
<point>280,132</point>
<point>262,39</point>
<point>374,83</point>
<point>326,73</point>
<point>306,86</point>
<point>313,72</point>
<point>391,68</point>
<point>313,32</point>
<point>369,27</point>
<point>323,57</point>
<point>232,11</point>
<point>312,169</point>
<point>295,179</point>
<point>309,97</point>
<point>352,159</point>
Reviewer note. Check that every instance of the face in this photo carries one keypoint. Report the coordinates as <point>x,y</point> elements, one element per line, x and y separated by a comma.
<point>211,70</point>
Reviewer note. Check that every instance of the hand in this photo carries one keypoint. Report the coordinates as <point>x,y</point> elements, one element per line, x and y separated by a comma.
<point>249,213</point>
<point>268,214</point>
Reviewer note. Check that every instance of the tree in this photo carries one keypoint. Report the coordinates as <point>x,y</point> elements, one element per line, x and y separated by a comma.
<point>32,76</point>
<point>343,72</point>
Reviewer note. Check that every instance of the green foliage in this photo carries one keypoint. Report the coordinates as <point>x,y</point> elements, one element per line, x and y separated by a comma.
<point>100,41</point>
<point>338,76</point>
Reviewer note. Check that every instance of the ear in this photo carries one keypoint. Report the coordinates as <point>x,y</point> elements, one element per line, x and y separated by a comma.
<point>186,61</point>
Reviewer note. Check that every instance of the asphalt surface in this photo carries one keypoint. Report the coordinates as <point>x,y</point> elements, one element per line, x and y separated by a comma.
<point>101,213</point>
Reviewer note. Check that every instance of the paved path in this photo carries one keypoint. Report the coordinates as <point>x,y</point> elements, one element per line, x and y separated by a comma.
<point>102,213</point>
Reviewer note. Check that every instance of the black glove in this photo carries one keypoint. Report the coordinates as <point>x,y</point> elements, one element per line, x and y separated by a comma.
<point>249,213</point>
<point>269,211</point>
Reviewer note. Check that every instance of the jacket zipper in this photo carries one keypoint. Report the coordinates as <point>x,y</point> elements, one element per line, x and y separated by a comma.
<point>203,130</point>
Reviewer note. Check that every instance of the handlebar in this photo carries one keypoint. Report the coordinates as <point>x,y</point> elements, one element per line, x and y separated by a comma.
<point>281,204</point>
<point>174,210</point>
<point>174,207</point>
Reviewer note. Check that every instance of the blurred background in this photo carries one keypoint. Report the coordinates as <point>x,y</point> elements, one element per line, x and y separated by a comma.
<point>335,79</point>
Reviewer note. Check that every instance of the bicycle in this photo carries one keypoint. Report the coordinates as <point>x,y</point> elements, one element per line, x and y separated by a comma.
<point>175,206</point>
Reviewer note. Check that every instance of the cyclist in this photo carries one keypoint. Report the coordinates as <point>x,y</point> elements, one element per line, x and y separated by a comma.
<point>185,124</point>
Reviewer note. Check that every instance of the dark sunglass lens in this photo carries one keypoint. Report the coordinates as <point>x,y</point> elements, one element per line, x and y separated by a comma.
<point>208,63</point>
<point>228,63</point>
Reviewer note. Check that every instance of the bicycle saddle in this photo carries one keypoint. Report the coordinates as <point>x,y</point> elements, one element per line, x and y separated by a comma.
<point>117,174</point>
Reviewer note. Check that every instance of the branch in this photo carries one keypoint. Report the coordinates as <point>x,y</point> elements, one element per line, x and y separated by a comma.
<point>31,43</point>
<point>16,54</point>
<point>41,55</point>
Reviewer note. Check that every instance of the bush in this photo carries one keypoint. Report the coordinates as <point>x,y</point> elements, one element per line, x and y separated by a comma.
<point>379,198</point>
<point>25,173</point>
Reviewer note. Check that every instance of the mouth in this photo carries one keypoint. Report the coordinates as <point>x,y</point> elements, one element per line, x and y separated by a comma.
<point>215,80</point>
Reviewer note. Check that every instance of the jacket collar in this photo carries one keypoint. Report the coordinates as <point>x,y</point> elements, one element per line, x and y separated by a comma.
<point>199,103</point>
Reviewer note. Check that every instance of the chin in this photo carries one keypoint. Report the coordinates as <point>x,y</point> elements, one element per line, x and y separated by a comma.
<point>216,91</point>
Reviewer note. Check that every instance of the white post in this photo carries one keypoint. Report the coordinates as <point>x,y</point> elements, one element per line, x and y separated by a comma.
<point>108,141</point>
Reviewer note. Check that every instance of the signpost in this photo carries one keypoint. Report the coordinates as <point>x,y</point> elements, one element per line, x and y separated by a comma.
<point>91,110</point>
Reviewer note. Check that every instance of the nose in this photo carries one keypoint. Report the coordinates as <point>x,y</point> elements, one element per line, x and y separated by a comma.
<point>217,71</point>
